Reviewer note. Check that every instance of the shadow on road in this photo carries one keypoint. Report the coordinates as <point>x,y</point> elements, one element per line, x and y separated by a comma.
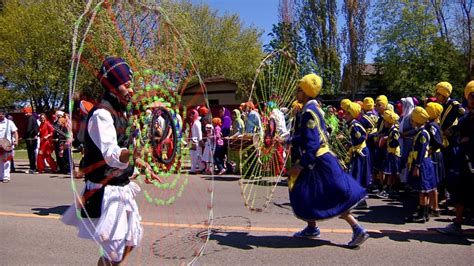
<point>393,211</point>
<point>47,211</point>
<point>243,240</point>
<point>222,178</point>
<point>429,235</point>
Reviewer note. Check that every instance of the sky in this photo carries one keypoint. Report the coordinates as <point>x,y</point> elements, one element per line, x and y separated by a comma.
<point>261,14</point>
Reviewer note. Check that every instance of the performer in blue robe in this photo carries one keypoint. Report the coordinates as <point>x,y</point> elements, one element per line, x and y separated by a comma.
<point>434,110</point>
<point>452,111</point>
<point>421,171</point>
<point>465,132</point>
<point>318,187</point>
<point>359,154</point>
<point>392,163</point>
<point>369,120</point>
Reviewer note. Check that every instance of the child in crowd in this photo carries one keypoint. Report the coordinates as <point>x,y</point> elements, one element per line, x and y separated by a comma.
<point>392,163</point>
<point>381,103</point>
<point>219,154</point>
<point>421,172</point>
<point>434,110</point>
<point>209,149</point>
<point>359,155</point>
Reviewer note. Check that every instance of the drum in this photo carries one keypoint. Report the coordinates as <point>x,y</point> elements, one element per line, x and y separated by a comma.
<point>5,145</point>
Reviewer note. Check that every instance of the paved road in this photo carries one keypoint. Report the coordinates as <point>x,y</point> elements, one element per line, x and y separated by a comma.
<point>31,232</point>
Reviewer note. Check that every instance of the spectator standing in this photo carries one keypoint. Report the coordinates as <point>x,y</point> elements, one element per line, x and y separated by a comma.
<point>9,132</point>
<point>46,148</point>
<point>31,137</point>
<point>12,160</point>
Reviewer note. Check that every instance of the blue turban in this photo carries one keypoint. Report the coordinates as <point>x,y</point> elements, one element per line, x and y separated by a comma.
<point>114,72</point>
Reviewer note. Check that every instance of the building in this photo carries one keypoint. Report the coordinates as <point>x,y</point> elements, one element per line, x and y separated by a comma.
<point>219,91</point>
<point>371,83</point>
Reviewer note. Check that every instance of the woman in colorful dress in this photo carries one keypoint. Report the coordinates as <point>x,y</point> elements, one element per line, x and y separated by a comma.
<point>46,148</point>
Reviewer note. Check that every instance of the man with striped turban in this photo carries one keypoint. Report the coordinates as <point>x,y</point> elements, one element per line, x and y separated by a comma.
<point>114,224</point>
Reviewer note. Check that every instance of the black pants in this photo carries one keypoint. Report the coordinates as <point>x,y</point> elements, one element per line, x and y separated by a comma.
<point>63,162</point>
<point>31,147</point>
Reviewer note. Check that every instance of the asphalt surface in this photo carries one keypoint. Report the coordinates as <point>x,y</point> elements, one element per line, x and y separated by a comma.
<point>176,228</point>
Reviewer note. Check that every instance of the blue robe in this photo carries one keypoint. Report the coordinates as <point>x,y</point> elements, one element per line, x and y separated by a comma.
<point>426,181</point>
<point>392,165</point>
<point>322,190</point>
<point>452,111</point>
<point>369,121</point>
<point>436,142</point>
<point>360,164</point>
<point>380,152</point>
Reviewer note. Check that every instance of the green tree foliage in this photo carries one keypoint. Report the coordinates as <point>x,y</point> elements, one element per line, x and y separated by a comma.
<point>220,45</point>
<point>286,35</point>
<point>36,38</point>
<point>35,49</point>
<point>412,56</point>
<point>318,20</point>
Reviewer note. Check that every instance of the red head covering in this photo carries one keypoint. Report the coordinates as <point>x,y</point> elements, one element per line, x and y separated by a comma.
<point>28,110</point>
<point>203,111</point>
<point>250,105</point>
<point>85,107</point>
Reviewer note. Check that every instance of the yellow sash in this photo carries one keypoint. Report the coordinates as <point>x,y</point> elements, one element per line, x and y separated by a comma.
<point>414,154</point>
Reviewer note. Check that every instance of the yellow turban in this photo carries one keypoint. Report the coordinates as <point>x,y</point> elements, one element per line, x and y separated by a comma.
<point>390,116</point>
<point>419,115</point>
<point>354,109</point>
<point>368,103</point>
<point>469,89</point>
<point>434,110</point>
<point>345,104</point>
<point>297,106</point>
<point>311,85</point>
<point>444,88</point>
<point>382,99</point>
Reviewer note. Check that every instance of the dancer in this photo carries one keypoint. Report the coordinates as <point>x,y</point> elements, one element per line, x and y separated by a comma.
<point>319,188</point>
<point>359,154</point>
<point>110,212</point>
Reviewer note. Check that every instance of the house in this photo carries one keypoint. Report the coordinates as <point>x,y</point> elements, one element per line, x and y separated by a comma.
<point>371,84</point>
<point>219,91</point>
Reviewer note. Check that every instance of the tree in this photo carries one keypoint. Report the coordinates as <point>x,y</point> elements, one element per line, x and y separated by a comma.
<point>35,42</point>
<point>220,45</point>
<point>355,41</point>
<point>440,7</point>
<point>286,35</point>
<point>318,20</point>
<point>466,22</point>
<point>412,56</point>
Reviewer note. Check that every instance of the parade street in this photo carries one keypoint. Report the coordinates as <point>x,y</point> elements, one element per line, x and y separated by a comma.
<point>32,233</point>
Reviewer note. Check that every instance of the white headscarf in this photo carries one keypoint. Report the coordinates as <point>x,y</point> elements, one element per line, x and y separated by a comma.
<point>407,105</point>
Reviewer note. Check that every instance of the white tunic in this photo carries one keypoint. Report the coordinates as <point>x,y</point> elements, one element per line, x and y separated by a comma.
<point>120,219</point>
